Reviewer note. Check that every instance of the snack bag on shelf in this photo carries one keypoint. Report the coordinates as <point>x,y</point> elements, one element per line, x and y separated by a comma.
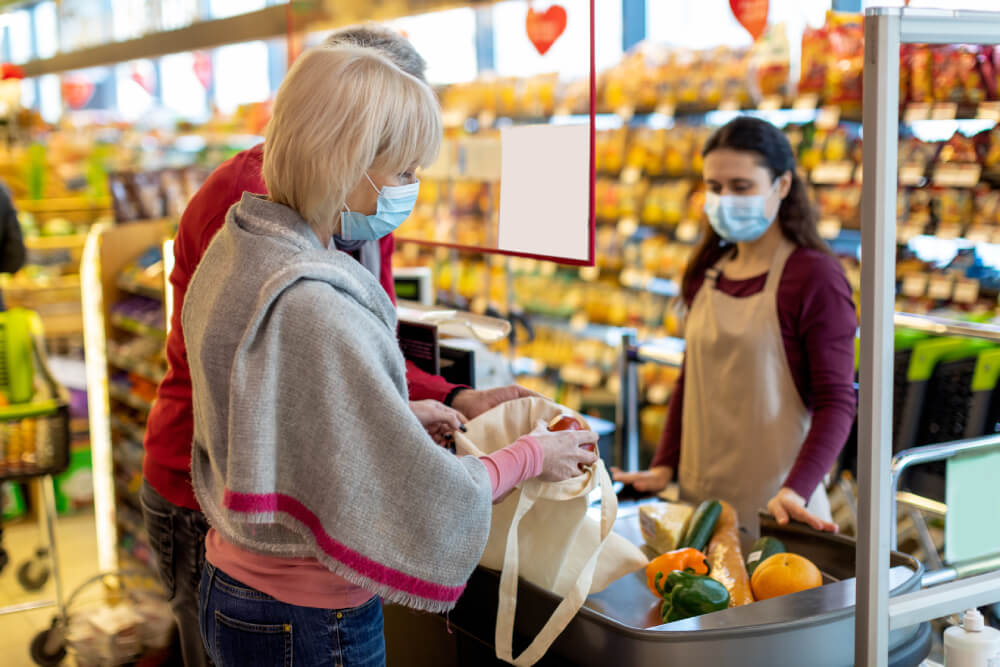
<point>971,74</point>
<point>921,73</point>
<point>991,154</point>
<point>959,149</point>
<point>538,96</point>
<point>919,207</point>
<point>609,150</point>
<point>771,58</point>
<point>987,207</point>
<point>946,78</point>
<point>843,82</point>
<point>815,54</point>
<point>954,205</point>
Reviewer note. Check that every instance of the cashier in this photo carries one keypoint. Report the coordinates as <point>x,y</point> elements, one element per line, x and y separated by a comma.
<point>765,399</point>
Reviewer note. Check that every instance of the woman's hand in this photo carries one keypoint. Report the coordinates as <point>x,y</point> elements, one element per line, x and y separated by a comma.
<point>563,452</point>
<point>653,480</point>
<point>438,419</point>
<point>473,403</point>
<point>789,504</point>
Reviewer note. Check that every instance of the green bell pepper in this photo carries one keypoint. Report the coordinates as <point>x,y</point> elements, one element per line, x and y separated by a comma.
<point>686,595</point>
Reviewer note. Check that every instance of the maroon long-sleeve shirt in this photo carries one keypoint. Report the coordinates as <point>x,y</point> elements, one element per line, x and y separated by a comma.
<point>170,428</point>
<point>818,325</point>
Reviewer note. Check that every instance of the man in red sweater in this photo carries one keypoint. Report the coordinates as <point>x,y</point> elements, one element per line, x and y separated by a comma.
<point>172,516</point>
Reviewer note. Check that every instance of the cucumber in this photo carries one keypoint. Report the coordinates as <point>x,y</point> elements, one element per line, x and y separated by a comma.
<point>702,525</point>
<point>763,549</point>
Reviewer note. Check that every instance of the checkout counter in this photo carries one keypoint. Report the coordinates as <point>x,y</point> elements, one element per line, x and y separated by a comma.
<point>621,625</point>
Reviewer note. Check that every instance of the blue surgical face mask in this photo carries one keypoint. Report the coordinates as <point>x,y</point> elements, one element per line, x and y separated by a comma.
<point>395,203</point>
<point>739,218</point>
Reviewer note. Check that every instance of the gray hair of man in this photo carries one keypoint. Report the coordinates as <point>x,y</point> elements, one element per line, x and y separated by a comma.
<point>390,43</point>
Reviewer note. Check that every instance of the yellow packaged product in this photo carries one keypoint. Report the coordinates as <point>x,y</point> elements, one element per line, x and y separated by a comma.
<point>663,524</point>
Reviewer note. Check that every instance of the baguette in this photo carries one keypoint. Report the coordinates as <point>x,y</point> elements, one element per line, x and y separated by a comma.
<point>725,560</point>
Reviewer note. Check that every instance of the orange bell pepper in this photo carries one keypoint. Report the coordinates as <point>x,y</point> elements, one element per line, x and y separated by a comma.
<point>685,560</point>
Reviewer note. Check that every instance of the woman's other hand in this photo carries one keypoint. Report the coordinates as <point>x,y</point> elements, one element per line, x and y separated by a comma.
<point>563,452</point>
<point>790,505</point>
<point>438,419</point>
<point>653,480</point>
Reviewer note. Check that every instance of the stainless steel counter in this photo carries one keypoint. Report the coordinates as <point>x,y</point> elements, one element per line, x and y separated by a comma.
<point>621,625</point>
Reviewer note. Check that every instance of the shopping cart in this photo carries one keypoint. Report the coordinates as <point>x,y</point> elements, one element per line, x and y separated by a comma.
<point>112,618</point>
<point>34,439</point>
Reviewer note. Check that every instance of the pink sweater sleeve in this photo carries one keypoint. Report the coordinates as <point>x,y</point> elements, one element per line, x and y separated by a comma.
<point>512,465</point>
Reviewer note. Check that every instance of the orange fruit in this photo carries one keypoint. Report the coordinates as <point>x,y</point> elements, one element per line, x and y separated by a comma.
<point>782,574</point>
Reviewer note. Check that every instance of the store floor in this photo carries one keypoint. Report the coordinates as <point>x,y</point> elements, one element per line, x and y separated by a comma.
<point>77,543</point>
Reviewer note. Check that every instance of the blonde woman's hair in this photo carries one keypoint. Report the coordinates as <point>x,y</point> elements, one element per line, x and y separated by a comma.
<point>342,111</point>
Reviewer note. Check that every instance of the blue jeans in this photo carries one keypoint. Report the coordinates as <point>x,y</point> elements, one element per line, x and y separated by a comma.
<point>242,626</point>
<point>177,538</point>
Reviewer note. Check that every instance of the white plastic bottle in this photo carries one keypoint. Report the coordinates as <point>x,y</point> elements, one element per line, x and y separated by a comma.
<point>972,644</point>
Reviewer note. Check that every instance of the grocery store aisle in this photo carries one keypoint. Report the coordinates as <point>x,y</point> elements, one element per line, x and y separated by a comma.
<point>77,542</point>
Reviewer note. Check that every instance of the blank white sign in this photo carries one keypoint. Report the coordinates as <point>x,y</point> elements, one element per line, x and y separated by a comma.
<point>545,190</point>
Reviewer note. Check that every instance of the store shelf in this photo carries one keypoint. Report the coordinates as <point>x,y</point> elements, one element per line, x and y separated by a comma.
<point>55,242</point>
<point>130,431</point>
<point>134,326</point>
<point>133,287</point>
<point>124,395</point>
<point>605,333</point>
<point>63,204</point>
<point>142,368</point>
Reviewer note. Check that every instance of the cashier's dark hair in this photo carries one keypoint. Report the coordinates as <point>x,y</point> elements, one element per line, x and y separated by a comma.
<point>796,215</point>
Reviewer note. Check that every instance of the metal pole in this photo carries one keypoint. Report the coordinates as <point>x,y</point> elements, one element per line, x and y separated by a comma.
<point>627,455</point>
<point>49,503</point>
<point>878,251</point>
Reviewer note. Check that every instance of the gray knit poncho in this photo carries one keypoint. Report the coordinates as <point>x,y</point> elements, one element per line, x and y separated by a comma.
<point>304,443</point>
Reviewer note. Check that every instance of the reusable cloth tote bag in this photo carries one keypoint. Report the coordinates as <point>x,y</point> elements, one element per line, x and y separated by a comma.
<point>541,531</point>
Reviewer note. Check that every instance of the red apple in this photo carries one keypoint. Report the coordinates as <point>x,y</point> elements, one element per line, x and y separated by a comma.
<point>566,423</point>
<point>570,423</point>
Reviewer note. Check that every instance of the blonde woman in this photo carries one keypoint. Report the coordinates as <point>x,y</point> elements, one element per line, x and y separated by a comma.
<point>323,490</point>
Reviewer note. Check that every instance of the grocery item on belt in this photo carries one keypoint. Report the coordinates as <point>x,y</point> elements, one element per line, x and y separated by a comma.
<point>782,574</point>
<point>663,525</point>
<point>725,560</point>
<point>763,549</point>
<point>686,595</point>
<point>702,525</point>
<point>685,560</point>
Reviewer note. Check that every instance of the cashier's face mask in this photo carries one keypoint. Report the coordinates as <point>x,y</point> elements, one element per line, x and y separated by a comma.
<point>739,218</point>
<point>395,203</point>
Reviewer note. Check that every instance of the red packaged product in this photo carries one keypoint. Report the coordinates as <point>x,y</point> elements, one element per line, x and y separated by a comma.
<point>921,74</point>
<point>815,54</point>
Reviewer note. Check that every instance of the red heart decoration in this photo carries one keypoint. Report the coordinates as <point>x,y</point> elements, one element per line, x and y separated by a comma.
<point>77,92</point>
<point>9,71</point>
<point>203,68</point>
<point>545,27</point>
<point>145,78</point>
<point>752,15</point>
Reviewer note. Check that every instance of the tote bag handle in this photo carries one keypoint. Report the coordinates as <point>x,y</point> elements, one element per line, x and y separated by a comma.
<point>531,492</point>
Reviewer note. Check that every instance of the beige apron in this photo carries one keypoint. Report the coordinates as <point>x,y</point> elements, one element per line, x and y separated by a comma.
<point>743,422</point>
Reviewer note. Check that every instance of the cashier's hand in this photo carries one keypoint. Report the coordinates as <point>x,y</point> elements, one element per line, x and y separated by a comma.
<point>564,453</point>
<point>438,419</point>
<point>472,403</point>
<point>654,480</point>
<point>790,505</point>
